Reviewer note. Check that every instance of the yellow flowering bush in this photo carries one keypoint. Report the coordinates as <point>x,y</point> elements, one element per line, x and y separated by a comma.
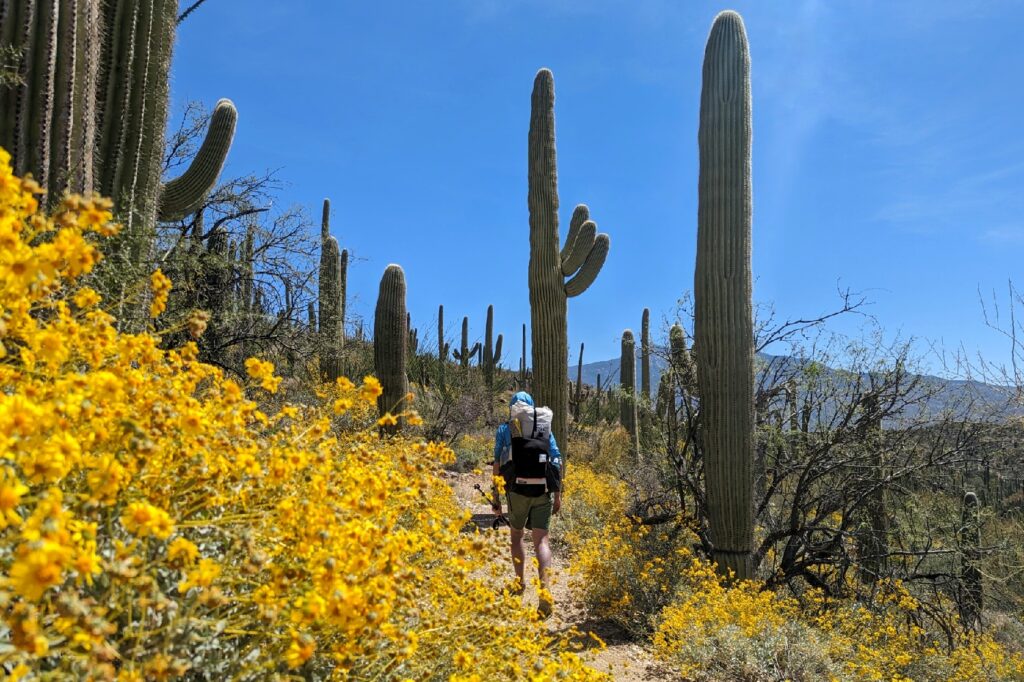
<point>592,503</point>
<point>712,631</point>
<point>622,570</point>
<point>647,579</point>
<point>156,522</point>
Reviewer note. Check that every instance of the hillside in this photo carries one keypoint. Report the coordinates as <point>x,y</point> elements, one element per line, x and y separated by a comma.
<point>944,394</point>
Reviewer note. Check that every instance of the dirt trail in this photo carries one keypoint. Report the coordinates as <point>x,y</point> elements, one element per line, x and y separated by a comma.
<point>623,659</point>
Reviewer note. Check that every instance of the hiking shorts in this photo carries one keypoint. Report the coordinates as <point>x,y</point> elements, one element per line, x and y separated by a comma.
<point>536,510</point>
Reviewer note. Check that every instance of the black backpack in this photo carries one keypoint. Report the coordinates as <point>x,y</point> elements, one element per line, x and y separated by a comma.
<point>530,473</point>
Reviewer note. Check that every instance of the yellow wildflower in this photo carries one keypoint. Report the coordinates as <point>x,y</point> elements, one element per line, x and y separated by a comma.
<point>161,290</point>
<point>38,568</point>
<point>11,492</point>
<point>143,519</point>
<point>300,650</point>
<point>370,389</point>
<point>182,552</point>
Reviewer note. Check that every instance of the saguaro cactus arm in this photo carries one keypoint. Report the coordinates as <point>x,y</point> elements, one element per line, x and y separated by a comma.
<point>325,221</point>
<point>186,193</point>
<point>579,241</point>
<point>587,273</point>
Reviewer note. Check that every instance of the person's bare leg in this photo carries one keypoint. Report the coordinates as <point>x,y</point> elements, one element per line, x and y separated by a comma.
<point>543,550</point>
<point>518,555</point>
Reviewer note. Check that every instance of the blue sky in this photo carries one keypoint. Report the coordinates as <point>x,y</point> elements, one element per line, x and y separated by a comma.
<point>887,156</point>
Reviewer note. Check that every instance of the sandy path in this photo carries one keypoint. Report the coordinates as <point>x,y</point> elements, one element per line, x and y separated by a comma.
<point>623,659</point>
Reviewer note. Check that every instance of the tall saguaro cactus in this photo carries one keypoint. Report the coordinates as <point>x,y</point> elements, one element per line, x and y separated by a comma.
<point>627,403</point>
<point>723,321</point>
<point>342,292</point>
<point>578,398</point>
<point>90,111</point>
<point>331,338</point>
<point>580,259</point>
<point>442,347</point>
<point>645,354</point>
<point>490,355</point>
<point>389,343</point>
<point>488,349</point>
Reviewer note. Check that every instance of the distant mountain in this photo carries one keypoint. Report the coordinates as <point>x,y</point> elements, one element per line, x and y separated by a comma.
<point>946,392</point>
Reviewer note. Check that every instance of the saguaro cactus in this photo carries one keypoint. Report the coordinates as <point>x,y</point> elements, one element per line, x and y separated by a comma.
<point>874,537</point>
<point>389,344</point>
<point>465,353</point>
<point>217,275</point>
<point>488,348</point>
<point>246,270</point>
<point>645,355</point>
<point>331,339</point>
<point>90,111</point>
<point>627,403</point>
<point>723,321</point>
<point>578,399</point>
<point>342,291</point>
<point>970,547</point>
<point>581,258</point>
<point>413,335</point>
<point>681,362</point>
<point>442,347</point>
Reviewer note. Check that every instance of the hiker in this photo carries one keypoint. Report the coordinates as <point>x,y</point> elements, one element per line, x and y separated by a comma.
<point>527,457</point>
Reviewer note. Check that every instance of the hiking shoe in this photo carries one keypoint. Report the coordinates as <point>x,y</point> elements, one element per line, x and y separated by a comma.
<point>544,608</point>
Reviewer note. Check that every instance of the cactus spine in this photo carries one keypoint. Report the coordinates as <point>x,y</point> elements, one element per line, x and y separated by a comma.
<point>389,344</point>
<point>722,294</point>
<point>331,339</point>
<point>627,403</point>
<point>581,258</point>
<point>91,110</point>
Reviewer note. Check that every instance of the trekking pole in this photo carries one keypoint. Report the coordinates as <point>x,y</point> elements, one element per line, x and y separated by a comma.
<point>500,518</point>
